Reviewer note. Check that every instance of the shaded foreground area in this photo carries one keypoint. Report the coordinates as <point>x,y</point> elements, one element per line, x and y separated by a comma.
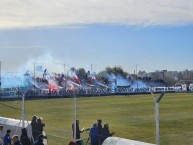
<point>131,117</point>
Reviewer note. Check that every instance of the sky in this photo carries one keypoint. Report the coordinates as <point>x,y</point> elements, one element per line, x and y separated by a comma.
<point>150,34</point>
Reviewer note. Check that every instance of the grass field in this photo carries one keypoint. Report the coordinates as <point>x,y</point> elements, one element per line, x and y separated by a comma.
<point>131,117</point>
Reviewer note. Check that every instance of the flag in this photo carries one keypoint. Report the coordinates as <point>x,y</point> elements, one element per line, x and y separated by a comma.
<point>45,73</point>
<point>27,73</point>
<point>39,68</point>
<point>73,75</point>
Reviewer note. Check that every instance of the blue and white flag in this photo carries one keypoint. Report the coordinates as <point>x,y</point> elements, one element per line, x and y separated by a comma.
<point>39,68</point>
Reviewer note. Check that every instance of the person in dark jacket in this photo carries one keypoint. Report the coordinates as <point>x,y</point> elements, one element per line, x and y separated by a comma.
<point>40,126</point>
<point>40,140</point>
<point>106,133</point>
<point>24,138</point>
<point>16,141</point>
<point>78,131</point>
<point>34,127</point>
<point>94,135</point>
<point>99,126</point>
<point>7,138</point>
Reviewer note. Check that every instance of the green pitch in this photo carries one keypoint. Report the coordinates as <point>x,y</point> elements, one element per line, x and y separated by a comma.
<point>131,116</point>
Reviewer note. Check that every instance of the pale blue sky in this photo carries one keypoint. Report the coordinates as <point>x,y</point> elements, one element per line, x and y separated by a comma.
<point>153,34</point>
<point>152,48</point>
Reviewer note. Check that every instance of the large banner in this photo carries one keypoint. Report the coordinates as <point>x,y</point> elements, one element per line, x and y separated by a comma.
<point>8,93</point>
<point>17,92</point>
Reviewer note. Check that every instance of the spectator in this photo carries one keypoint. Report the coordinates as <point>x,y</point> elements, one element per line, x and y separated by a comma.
<point>94,135</point>
<point>34,127</point>
<point>7,138</point>
<point>105,133</point>
<point>24,138</point>
<point>40,140</point>
<point>40,126</point>
<point>16,141</point>
<point>99,126</point>
<point>72,143</point>
<point>1,142</point>
<point>78,131</point>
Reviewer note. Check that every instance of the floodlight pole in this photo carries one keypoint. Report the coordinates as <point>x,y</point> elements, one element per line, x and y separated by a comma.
<point>64,69</point>
<point>34,77</point>
<point>157,124</point>
<point>157,116</point>
<point>22,114</point>
<point>23,111</point>
<point>65,78</point>
<point>74,116</point>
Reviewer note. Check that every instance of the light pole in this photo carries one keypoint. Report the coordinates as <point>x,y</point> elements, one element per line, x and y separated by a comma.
<point>137,77</point>
<point>65,76</point>
<point>34,78</point>
<point>74,117</point>
<point>157,115</point>
<point>23,115</point>
<point>23,111</point>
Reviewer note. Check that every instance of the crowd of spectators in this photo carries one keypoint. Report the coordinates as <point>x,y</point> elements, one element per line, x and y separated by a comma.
<point>37,127</point>
<point>14,140</point>
<point>37,132</point>
<point>97,133</point>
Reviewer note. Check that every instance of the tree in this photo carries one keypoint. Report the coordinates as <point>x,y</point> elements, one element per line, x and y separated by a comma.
<point>102,75</point>
<point>117,70</point>
<point>82,73</point>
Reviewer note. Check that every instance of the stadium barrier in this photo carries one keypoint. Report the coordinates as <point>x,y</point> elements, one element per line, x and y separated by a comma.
<point>30,93</point>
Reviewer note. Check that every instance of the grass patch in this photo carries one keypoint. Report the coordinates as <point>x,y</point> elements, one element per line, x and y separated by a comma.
<point>131,117</point>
